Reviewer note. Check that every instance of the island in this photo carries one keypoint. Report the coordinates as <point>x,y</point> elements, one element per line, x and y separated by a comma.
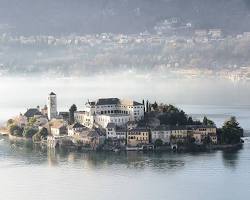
<point>113,124</point>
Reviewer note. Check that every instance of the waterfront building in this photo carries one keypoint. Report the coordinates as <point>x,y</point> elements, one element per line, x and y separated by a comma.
<point>76,129</point>
<point>115,132</point>
<point>161,132</point>
<point>121,133</point>
<point>52,106</point>
<point>58,127</point>
<point>138,136</point>
<point>201,132</point>
<point>178,134</point>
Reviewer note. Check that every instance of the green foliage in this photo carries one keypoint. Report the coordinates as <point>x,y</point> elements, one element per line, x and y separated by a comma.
<point>15,130</point>
<point>43,133</point>
<point>72,110</point>
<point>207,140</point>
<point>158,142</point>
<point>40,135</point>
<point>29,132</point>
<point>231,132</point>
<point>208,122</point>
<point>173,116</point>
<point>155,106</point>
<point>32,121</point>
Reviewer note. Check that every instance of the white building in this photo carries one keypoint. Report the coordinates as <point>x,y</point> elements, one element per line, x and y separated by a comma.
<point>110,110</point>
<point>115,132</point>
<point>52,106</point>
<point>161,132</point>
<point>117,119</point>
<point>85,118</point>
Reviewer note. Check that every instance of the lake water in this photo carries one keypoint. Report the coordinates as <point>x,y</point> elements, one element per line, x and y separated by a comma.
<point>29,172</point>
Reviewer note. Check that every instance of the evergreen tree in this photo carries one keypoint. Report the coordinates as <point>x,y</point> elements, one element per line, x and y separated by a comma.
<point>231,132</point>
<point>143,102</point>
<point>207,122</point>
<point>72,110</point>
<point>147,106</point>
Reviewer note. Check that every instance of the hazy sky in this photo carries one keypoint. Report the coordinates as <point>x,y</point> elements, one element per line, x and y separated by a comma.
<point>128,16</point>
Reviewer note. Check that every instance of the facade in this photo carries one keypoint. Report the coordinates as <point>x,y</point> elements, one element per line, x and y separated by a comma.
<point>52,106</point>
<point>137,137</point>
<point>59,129</point>
<point>121,133</point>
<point>161,132</point>
<point>179,134</point>
<point>76,129</point>
<point>117,119</point>
<point>85,118</point>
<point>111,106</point>
<point>200,133</point>
<point>115,132</point>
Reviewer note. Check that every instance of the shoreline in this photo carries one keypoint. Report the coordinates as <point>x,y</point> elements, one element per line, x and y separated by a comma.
<point>181,149</point>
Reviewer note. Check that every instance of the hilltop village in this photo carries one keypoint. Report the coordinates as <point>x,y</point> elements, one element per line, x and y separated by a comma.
<point>114,124</point>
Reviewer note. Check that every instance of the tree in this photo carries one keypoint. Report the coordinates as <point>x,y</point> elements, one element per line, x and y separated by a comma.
<point>15,130</point>
<point>155,106</point>
<point>143,102</point>
<point>207,122</point>
<point>29,132</point>
<point>72,110</point>
<point>32,121</point>
<point>40,135</point>
<point>147,106</point>
<point>158,142</point>
<point>231,132</point>
<point>43,133</point>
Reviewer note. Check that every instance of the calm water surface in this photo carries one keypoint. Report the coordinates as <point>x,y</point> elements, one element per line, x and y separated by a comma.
<point>29,172</point>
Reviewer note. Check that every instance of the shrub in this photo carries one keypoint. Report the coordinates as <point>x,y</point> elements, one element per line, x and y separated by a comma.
<point>29,132</point>
<point>15,130</point>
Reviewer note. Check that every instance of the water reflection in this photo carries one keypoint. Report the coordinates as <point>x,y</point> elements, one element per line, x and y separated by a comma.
<point>231,158</point>
<point>33,154</point>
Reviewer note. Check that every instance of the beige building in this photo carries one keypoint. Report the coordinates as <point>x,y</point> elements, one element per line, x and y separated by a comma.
<point>137,137</point>
<point>179,134</point>
<point>58,127</point>
<point>200,133</point>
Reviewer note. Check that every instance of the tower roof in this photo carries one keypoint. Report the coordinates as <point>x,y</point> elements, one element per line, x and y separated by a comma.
<point>52,93</point>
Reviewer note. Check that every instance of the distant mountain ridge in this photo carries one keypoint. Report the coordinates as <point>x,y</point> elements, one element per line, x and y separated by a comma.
<point>29,17</point>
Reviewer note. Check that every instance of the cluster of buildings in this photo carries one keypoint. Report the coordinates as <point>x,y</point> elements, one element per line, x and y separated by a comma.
<point>111,119</point>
